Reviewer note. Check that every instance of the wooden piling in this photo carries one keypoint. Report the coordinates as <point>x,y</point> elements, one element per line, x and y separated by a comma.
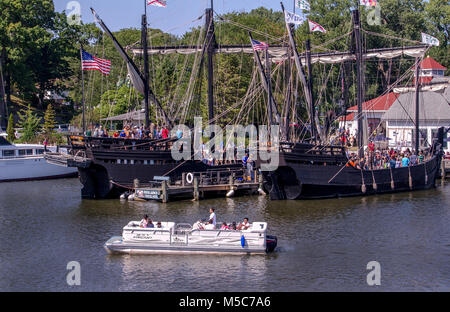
<point>165,195</point>
<point>196,191</point>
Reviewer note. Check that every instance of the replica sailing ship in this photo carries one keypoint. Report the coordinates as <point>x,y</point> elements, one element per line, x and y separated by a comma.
<point>108,167</point>
<point>308,171</point>
<point>308,168</point>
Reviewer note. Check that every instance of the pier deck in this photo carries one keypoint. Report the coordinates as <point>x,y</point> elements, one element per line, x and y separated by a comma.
<point>203,184</point>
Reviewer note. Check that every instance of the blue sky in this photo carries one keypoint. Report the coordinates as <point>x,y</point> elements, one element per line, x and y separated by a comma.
<point>176,18</point>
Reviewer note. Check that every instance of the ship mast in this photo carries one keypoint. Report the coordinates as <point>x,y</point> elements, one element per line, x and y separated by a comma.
<point>3,108</point>
<point>301,74</point>
<point>211,47</point>
<point>146,69</point>
<point>359,81</point>
<point>417,105</point>
<point>312,109</point>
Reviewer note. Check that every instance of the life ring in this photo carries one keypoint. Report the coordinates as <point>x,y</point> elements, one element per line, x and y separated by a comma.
<point>189,178</point>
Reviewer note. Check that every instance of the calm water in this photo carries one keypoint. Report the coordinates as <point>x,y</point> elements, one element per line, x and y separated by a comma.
<point>323,245</point>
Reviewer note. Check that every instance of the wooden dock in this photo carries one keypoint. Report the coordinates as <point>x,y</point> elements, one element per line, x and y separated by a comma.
<point>198,185</point>
<point>445,172</point>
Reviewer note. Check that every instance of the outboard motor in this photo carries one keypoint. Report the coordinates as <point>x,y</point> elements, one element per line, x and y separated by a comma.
<point>271,243</point>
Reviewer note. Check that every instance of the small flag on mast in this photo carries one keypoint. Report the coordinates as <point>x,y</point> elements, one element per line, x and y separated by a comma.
<point>91,62</point>
<point>315,27</point>
<point>159,3</point>
<point>303,4</point>
<point>259,45</point>
<point>292,18</point>
<point>429,40</point>
<point>368,3</point>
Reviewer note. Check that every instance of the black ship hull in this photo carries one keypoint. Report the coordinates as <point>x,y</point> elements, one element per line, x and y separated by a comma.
<point>313,182</point>
<point>304,176</point>
<point>109,180</point>
<point>109,167</point>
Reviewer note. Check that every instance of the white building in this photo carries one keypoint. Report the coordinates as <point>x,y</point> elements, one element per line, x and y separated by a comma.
<point>434,112</point>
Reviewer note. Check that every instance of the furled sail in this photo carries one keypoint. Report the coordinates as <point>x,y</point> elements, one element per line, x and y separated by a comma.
<point>280,53</point>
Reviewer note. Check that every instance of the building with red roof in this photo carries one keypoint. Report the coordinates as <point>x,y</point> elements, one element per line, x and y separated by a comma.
<point>373,111</point>
<point>429,69</point>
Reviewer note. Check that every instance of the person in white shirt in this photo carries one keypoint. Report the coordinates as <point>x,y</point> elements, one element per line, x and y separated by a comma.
<point>244,225</point>
<point>212,216</point>
<point>144,222</point>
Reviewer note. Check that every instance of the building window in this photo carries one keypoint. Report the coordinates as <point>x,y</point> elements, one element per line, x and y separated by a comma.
<point>8,153</point>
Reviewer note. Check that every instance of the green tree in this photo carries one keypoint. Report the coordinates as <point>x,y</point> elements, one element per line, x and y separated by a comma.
<point>29,123</point>
<point>49,120</point>
<point>10,129</point>
<point>37,43</point>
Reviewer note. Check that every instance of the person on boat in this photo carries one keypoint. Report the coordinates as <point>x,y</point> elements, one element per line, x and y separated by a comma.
<point>245,225</point>
<point>245,160</point>
<point>164,133</point>
<point>144,222</point>
<point>210,226</point>
<point>179,134</point>
<point>224,226</point>
<point>150,224</point>
<point>421,157</point>
<point>405,161</point>
<point>234,226</point>
<point>392,163</point>
<point>159,225</point>
<point>45,144</point>
<point>398,163</point>
<point>413,159</point>
<point>212,216</point>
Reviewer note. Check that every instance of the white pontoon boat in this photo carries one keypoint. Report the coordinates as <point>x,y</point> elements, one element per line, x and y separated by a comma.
<point>183,238</point>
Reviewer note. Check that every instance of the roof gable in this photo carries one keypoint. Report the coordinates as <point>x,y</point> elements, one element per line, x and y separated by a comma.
<point>381,103</point>
<point>430,63</point>
<point>433,106</point>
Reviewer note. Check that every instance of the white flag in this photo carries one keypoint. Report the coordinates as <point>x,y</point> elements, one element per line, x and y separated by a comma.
<point>315,27</point>
<point>429,40</point>
<point>292,18</point>
<point>303,4</point>
<point>159,3</point>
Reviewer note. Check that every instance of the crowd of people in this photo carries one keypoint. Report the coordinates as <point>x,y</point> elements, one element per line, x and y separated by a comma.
<point>209,224</point>
<point>131,132</point>
<point>387,158</point>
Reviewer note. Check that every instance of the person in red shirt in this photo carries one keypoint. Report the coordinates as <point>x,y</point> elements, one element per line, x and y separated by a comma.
<point>165,133</point>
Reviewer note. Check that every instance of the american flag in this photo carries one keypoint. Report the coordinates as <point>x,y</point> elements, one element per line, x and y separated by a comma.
<point>259,45</point>
<point>91,62</point>
<point>160,3</point>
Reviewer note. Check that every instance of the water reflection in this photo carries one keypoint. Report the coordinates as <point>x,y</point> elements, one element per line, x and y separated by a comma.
<point>189,272</point>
